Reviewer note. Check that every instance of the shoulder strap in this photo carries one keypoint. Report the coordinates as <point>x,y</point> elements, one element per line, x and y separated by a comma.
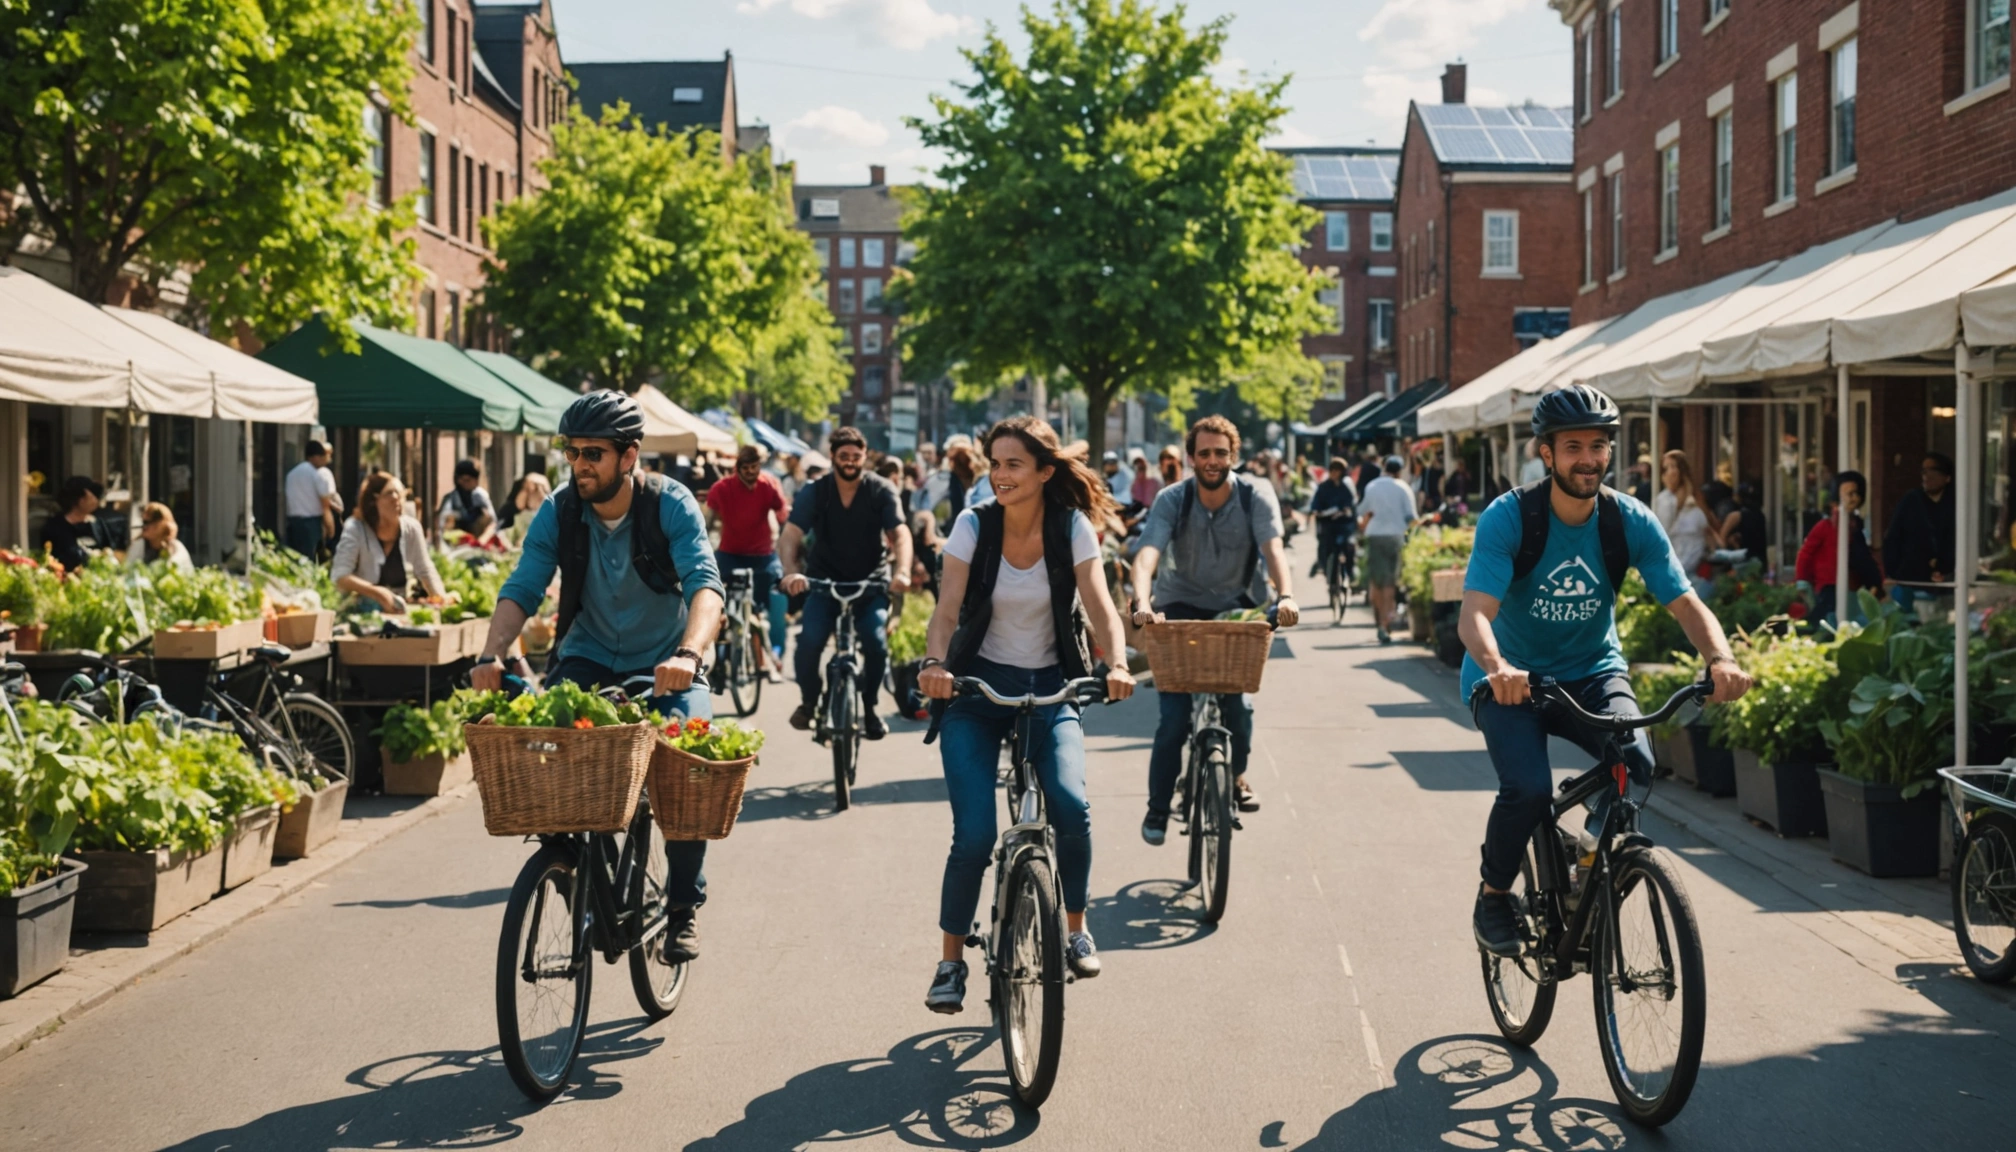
<point>573,556</point>
<point>992,522</point>
<point>1067,615</point>
<point>1183,513</point>
<point>650,550</point>
<point>1535,514</point>
<point>1610,530</point>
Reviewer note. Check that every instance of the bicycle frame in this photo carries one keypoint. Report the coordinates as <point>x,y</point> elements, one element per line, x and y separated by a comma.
<point>845,665</point>
<point>1206,719</point>
<point>602,872</point>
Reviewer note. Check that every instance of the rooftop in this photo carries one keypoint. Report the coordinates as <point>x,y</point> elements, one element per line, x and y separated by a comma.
<point>1529,136</point>
<point>1344,173</point>
<point>847,207</point>
<point>676,94</point>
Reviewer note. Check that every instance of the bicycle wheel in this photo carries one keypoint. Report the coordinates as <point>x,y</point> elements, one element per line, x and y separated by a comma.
<point>1651,1006</point>
<point>1211,836</point>
<point>1521,999</point>
<point>1029,982</point>
<point>745,673</point>
<point>1984,897</point>
<point>543,979</point>
<point>846,742</point>
<point>1333,573</point>
<point>320,736</point>
<point>659,986</point>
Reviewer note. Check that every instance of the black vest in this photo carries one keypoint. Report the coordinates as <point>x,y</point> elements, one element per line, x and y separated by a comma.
<point>650,551</point>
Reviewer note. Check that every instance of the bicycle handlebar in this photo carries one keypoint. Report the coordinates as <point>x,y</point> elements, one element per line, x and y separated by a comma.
<point>856,588</point>
<point>1084,690</point>
<point>1546,690</point>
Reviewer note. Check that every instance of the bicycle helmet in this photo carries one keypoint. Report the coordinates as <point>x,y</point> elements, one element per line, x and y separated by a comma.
<point>604,414</point>
<point>1577,406</point>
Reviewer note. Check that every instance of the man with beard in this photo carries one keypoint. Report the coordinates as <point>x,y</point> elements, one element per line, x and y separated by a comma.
<point>1213,530</point>
<point>1538,599</point>
<point>856,523</point>
<point>639,596</point>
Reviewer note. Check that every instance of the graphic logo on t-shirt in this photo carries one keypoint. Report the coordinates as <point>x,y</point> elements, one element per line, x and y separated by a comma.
<point>1570,594</point>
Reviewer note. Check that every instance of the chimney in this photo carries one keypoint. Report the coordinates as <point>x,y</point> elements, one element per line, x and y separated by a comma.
<point>1453,83</point>
<point>877,175</point>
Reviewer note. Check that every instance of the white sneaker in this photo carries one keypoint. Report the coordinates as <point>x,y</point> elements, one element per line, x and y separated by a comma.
<point>1083,954</point>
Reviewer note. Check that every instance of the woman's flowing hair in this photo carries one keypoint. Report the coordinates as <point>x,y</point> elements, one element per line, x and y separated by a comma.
<point>367,497</point>
<point>1073,483</point>
<point>1688,489</point>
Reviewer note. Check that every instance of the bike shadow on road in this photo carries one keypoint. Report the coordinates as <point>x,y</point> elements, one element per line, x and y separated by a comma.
<point>1148,916</point>
<point>923,1092</point>
<point>460,901</point>
<point>813,800</point>
<point>432,1100</point>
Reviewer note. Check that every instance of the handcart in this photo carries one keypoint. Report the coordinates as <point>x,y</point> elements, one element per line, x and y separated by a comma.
<point>1984,867</point>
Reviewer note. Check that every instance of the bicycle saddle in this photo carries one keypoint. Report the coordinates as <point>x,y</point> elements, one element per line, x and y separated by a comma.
<point>274,654</point>
<point>740,578</point>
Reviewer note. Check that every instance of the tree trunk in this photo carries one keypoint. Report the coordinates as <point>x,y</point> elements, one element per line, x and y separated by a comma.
<point>1098,400</point>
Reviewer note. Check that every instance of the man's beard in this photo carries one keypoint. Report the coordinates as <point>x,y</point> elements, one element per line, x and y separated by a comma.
<point>850,475</point>
<point>1204,477</point>
<point>598,495</point>
<point>1581,485</point>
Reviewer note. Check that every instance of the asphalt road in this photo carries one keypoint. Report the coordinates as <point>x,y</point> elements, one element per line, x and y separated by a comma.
<point>1338,1007</point>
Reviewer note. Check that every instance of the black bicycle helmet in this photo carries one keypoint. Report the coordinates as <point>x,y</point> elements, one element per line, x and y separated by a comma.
<point>604,414</point>
<point>1577,406</point>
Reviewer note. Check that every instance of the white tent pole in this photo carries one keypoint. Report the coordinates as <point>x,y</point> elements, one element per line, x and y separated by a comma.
<point>1966,463</point>
<point>1809,411</point>
<point>1658,477</point>
<point>1511,455</point>
<point>251,533</point>
<point>1845,431</point>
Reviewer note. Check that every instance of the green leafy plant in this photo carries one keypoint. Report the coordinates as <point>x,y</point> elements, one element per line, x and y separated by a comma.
<point>907,636</point>
<point>1779,719</point>
<point>109,606</point>
<point>1745,602</point>
<point>1429,551</point>
<point>28,589</point>
<point>1646,631</point>
<point>288,578</point>
<point>710,741</point>
<point>473,584</point>
<point>21,863</point>
<point>1654,683</point>
<point>409,732</point>
<point>563,705</point>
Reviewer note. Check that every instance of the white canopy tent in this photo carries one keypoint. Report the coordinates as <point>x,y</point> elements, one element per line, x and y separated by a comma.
<point>673,431</point>
<point>1487,400</point>
<point>244,388</point>
<point>57,349</point>
<point>1988,313</point>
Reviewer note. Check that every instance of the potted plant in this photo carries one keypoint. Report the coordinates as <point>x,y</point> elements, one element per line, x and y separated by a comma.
<point>425,753</point>
<point>29,590</point>
<point>1432,549</point>
<point>1773,732</point>
<point>1672,747</point>
<point>314,819</point>
<point>249,795</point>
<point>38,888</point>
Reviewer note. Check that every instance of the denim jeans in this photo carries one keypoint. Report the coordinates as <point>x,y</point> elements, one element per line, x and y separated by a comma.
<point>304,535</point>
<point>1172,734</point>
<point>1517,740</point>
<point>816,625</point>
<point>970,737</point>
<point>685,884</point>
<point>769,573</point>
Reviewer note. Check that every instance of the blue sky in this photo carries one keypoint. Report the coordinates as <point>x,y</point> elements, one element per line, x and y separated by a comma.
<point>834,78</point>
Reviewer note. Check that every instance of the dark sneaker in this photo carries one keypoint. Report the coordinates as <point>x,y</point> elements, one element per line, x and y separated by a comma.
<point>682,937</point>
<point>1083,954</point>
<point>948,988</point>
<point>1249,801</point>
<point>801,718</point>
<point>1155,829</point>
<point>1385,637</point>
<point>873,726</point>
<point>1496,923</point>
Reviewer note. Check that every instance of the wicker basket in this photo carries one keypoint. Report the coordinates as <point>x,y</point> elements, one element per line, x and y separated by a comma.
<point>552,780</point>
<point>695,799</point>
<point>1207,655</point>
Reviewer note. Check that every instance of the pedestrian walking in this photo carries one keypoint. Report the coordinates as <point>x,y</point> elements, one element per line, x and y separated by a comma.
<point>74,531</point>
<point>1388,513</point>
<point>312,502</point>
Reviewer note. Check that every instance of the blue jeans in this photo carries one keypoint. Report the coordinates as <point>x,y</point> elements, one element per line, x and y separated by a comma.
<point>685,885</point>
<point>970,736</point>
<point>304,535</point>
<point>816,625</point>
<point>1517,740</point>
<point>1172,735</point>
<point>769,572</point>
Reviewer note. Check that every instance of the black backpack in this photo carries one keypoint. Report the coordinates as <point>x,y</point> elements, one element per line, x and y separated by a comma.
<point>650,551</point>
<point>1244,488</point>
<point>1536,513</point>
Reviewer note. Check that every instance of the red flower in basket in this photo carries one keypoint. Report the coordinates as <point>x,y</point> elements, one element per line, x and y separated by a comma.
<point>584,722</point>
<point>1796,610</point>
<point>698,727</point>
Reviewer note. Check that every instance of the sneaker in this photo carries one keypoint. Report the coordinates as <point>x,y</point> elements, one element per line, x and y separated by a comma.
<point>1155,829</point>
<point>1495,923</point>
<point>774,675</point>
<point>682,938</point>
<point>948,988</point>
<point>801,718</point>
<point>873,726</point>
<point>1083,954</point>
<point>1385,637</point>
<point>1248,800</point>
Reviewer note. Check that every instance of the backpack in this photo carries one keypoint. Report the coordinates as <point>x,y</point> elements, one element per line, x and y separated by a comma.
<point>1245,491</point>
<point>650,550</point>
<point>1536,513</point>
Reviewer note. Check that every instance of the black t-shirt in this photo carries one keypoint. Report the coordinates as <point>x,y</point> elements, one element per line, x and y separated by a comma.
<point>67,542</point>
<point>846,538</point>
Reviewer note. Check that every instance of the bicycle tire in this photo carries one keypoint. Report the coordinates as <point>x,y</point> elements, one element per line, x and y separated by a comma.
<point>1522,1020</point>
<point>1029,982</point>
<point>846,744</point>
<point>541,1062</point>
<point>1334,575</point>
<point>1676,950</point>
<point>745,678</point>
<point>1212,836</point>
<point>1984,897</point>
<point>659,986</point>
<point>320,735</point>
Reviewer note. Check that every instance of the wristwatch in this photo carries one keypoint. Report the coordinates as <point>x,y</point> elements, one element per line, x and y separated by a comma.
<point>931,662</point>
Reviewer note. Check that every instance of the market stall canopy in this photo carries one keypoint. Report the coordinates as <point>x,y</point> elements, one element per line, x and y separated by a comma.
<point>544,399</point>
<point>1324,429</point>
<point>782,443</point>
<point>1988,313</point>
<point>1393,418</point>
<point>1920,313</point>
<point>1465,409</point>
<point>397,381</point>
<point>243,387</point>
<point>1654,350</point>
<point>57,349</point>
<point>673,431</point>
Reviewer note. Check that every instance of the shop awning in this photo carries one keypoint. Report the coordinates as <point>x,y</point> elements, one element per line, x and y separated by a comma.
<point>1364,404</point>
<point>57,349</point>
<point>1988,313</point>
<point>243,387</point>
<point>1488,400</point>
<point>397,381</point>
<point>544,399</point>
<point>1394,417</point>
<point>1920,313</point>
<point>673,431</point>
<point>782,443</point>
<point>1655,350</point>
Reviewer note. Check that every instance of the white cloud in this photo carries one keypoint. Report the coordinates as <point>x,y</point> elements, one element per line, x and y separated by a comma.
<point>1289,136</point>
<point>832,128</point>
<point>1415,37</point>
<point>905,24</point>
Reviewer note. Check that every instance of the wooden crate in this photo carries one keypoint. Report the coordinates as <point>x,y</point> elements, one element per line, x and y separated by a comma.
<point>140,891</point>
<point>300,629</point>
<point>211,643</point>
<point>248,849</point>
<point>426,776</point>
<point>312,822</point>
<point>443,647</point>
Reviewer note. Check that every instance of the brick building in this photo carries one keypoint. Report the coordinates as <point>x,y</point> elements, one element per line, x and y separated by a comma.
<point>679,95</point>
<point>856,232</point>
<point>1485,232</point>
<point>1353,189</point>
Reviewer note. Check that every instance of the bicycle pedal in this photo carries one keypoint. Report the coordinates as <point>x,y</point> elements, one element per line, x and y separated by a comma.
<point>1237,826</point>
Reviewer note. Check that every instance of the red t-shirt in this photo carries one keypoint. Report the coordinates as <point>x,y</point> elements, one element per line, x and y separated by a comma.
<point>747,528</point>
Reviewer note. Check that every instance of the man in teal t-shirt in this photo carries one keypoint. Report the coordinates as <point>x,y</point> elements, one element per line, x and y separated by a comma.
<point>1558,621</point>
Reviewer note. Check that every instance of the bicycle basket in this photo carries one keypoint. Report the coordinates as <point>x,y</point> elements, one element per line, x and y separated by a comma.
<point>536,781</point>
<point>695,799</point>
<point>1207,655</point>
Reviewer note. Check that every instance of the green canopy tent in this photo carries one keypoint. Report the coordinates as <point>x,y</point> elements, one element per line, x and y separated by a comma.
<point>544,399</point>
<point>398,381</point>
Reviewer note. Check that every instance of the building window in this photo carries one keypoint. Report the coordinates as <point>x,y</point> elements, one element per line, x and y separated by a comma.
<point>847,252</point>
<point>1333,376</point>
<point>424,39</point>
<point>1337,231</point>
<point>1501,243</point>
<point>873,377</point>
<point>1585,70</point>
<point>468,197</point>
<point>1717,8</point>
<point>1669,198</point>
<point>906,251</point>
<point>871,295</point>
<point>1725,163</point>
<point>846,297</point>
<point>1379,318</point>
<point>483,191</point>
<point>454,317</point>
<point>374,159</point>
<point>454,42</point>
<point>688,95</point>
<point>423,204</point>
<point>1613,85</point>
<point>454,191</point>
<point>1589,235</point>
<point>1382,231</point>
<point>1787,112</point>
<point>1332,298</point>
<point>1989,45</point>
<point>1669,29</point>
<point>822,251</point>
<point>1432,269</point>
<point>871,253</point>
<point>1617,223</point>
<point>429,326</point>
<point>871,339</point>
<point>1843,113</point>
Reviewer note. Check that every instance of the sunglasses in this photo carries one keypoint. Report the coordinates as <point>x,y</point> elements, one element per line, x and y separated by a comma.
<point>593,454</point>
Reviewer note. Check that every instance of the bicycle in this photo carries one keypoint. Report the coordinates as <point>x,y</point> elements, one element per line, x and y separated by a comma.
<point>1024,944</point>
<point>1209,804</point>
<point>744,638</point>
<point>1337,559</point>
<point>579,894</point>
<point>837,720</point>
<point>1638,937</point>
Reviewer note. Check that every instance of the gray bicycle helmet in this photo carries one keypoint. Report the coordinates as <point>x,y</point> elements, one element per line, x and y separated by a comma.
<point>1577,406</point>
<point>604,414</point>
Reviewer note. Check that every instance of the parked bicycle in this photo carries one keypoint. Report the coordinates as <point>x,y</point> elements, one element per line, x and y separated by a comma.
<point>580,894</point>
<point>837,719</point>
<point>1637,936</point>
<point>1984,869</point>
<point>738,655</point>
<point>1024,944</point>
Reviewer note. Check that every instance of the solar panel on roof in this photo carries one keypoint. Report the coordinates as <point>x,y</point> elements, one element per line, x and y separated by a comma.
<point>1462,134</point>
<point>1495,118</point>
<point>1326,165</point>
<point>1465,145</point>
<point>1333,188</point>
<point>1512,145</point>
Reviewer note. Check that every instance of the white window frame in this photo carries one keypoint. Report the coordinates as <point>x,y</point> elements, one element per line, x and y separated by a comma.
<point>845,294</point>
<point>689,95</point>
<point>825,209</point>
<point>1982,56</point>
<point>1717,8</point>
<point>1336,231</point>
<point>427,202</point>
<point>1724,206</point>
<point>1589,236</point>
<point>1616,190</point>
<point>376,156</point>
<point>1785,137</point>
<point>1334,368</point>
<point>822,251</point>
<point>1379,318</point>
<point>1669,199</point>
<point>871,339</point>
<point>1585,63</point>
<point>1382,231</point>
<point>871,294</point>
<point>873,251</point>
<point>1613,36</point>
<point>1507,263</point>
<point>1669,29</point>
<point>846,252</point>
<point>1843,62</point>
<point>1332,297</point>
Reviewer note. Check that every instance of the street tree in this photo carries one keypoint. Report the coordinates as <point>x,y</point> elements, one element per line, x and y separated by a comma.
<point>224,139</point>
<point>1106,217</point>
<point>649,260</point>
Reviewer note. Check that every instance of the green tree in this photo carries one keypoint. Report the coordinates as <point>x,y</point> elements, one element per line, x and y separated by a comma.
<point>224,138</point>
<point>649,260</point>
<point>1106,216</point>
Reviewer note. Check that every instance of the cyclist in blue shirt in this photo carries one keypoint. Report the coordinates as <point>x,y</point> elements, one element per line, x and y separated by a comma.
<point>1557,620</point>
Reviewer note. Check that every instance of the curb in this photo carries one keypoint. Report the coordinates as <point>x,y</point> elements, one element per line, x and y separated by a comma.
<point>93,977</point>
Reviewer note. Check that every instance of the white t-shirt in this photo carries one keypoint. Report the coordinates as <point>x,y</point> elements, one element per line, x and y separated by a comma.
<point>1686,526</point>
<point>1391,505</point>
<point>306,486</point>
<point>1021,634</point>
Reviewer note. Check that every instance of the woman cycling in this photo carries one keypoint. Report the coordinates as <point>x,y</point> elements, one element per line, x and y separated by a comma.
<point>1026,637</point>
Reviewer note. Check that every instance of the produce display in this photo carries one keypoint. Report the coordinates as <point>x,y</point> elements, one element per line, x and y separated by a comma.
<point>29,588</point>
<point>291,581</point>
<point>564,705</point>
<point>907,633</point>
<point>1428,551</point>
<point>1245,615</point>
<point>410,732</point>
<point>110,606</point>
<point>708,740</point>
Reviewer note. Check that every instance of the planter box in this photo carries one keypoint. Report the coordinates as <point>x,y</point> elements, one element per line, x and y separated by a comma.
<point>311,823</point>
<point>1448,584</point>
<point>35,929</point>
<point>300,629</point>
<point>28,638</point>
<point>474,634</point>
<point>209,643</point>
<point>1448,643</point>
<point>1785,795</point>
<point>1420,620</point>
<point>1873,829</point>
<point>426,776</point>
<point>1714,768</point>
<point>140,891</point>
<point>443,647</point>
<point>1675,753</point>
<point>248,849</point>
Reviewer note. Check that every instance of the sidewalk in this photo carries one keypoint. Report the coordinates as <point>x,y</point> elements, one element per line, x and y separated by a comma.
<point>110,963</point>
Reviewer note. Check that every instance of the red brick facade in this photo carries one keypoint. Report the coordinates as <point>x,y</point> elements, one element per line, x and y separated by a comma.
<point>1355,243</point>
<point>854,228</point>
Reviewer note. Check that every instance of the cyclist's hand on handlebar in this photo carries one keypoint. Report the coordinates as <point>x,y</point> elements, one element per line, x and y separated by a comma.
<point>1119,685</point>
<point>936,682</point>
<point>794,584</point>
<point>487,677</point>
<point>1731,681</point>
<point>1145,615</point>
<point>674,675</point>
<point>1509,685</point>
<point>899,583</point>
<point>1285,612</point>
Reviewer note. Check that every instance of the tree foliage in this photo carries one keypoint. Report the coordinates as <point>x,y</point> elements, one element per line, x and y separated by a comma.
<point>649,260</point>
<point>221,137</point>
<point>1107,216</point>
